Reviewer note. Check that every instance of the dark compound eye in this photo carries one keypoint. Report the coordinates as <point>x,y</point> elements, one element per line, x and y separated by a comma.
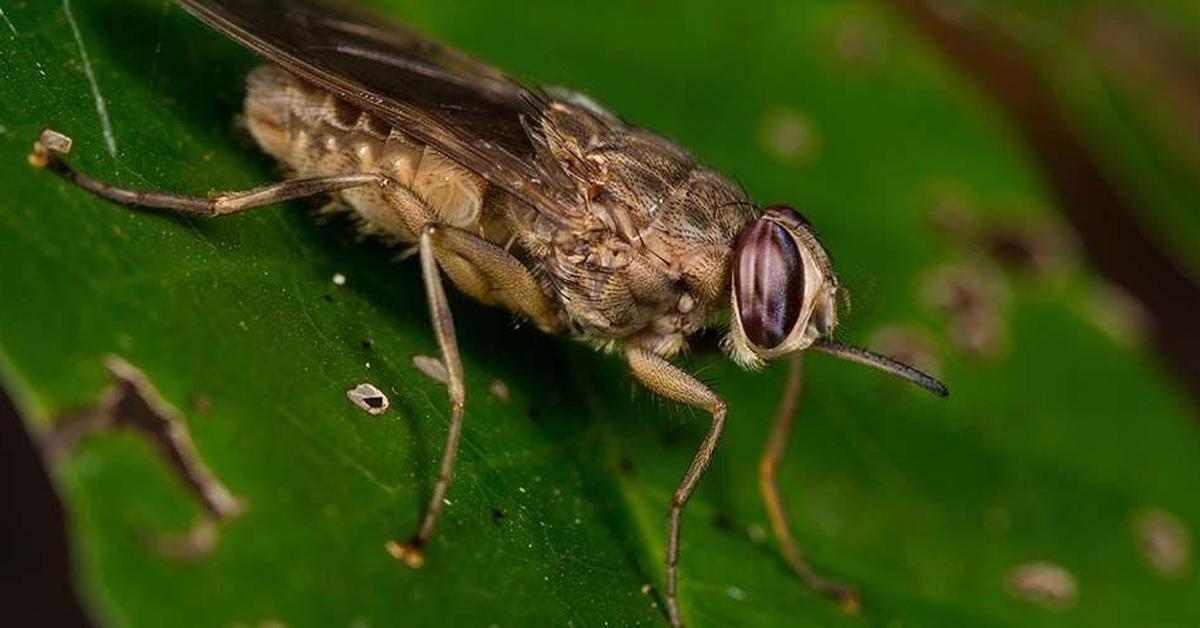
<point>768,282</point>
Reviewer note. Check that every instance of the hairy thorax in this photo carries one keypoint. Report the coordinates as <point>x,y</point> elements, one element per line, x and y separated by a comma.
<point>642,258</point>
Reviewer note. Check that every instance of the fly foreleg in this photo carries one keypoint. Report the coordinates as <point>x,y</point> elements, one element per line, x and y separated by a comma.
<point>665,379</point>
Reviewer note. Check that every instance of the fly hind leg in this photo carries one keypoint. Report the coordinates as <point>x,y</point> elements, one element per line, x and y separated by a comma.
<point>52,146</point>
<point>781,429</point>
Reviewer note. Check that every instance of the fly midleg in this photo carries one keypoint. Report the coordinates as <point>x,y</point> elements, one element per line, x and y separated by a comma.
<point>418,218</point>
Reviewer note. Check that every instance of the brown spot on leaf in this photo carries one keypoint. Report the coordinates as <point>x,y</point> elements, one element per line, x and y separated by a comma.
<point>974,301</point>
<point>862,40</point>
<point>953,212</point>
<point>1035,248</point>
<point>201,404</point>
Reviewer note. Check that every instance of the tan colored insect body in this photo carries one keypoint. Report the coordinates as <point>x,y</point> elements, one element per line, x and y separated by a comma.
<point>617,269</point>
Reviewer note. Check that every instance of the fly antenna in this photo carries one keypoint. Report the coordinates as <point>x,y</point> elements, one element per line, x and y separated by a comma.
<point>883,363</point>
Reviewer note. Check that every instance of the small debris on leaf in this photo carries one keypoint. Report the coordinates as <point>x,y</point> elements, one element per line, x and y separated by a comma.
<point>1118,314</point>
<point>407,553</point>
<point>50,142</point>
<point>1164,542</point>
<point>432,368</point>
<point>369,398</point>
<point>339,279</point>
<point>1044,582</point>
<point>499,390</point>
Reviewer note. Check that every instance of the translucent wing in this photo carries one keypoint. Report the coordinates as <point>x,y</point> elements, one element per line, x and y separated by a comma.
<point>469,111</point>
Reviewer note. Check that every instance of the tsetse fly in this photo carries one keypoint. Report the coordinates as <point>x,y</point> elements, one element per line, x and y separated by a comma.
<point>536,200</point>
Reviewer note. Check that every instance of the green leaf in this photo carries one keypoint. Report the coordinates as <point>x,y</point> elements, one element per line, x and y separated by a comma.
<point>1047,449</point>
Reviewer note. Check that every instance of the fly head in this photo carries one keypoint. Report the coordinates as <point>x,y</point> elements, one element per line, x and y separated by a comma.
<point>782,288</point>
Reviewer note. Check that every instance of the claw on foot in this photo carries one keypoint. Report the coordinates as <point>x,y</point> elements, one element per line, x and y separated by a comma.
<point>850,603</point>
<point>411,553</point>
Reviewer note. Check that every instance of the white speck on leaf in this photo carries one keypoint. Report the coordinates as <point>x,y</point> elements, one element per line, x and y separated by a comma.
<point>368,398</point>
<point>339,279</point>
<point>735,593</point>
<point>101,108</point>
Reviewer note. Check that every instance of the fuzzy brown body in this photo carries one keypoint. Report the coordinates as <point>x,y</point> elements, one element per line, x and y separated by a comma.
<point>643,258</point>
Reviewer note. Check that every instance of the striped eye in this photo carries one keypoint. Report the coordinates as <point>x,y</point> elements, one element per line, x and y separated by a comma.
<point>768,282</point>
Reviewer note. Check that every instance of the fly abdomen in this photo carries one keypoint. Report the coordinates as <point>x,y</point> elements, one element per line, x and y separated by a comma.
<point>314,133</point>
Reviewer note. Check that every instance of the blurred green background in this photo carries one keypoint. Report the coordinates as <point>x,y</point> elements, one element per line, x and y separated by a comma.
<point>1009,191</point>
